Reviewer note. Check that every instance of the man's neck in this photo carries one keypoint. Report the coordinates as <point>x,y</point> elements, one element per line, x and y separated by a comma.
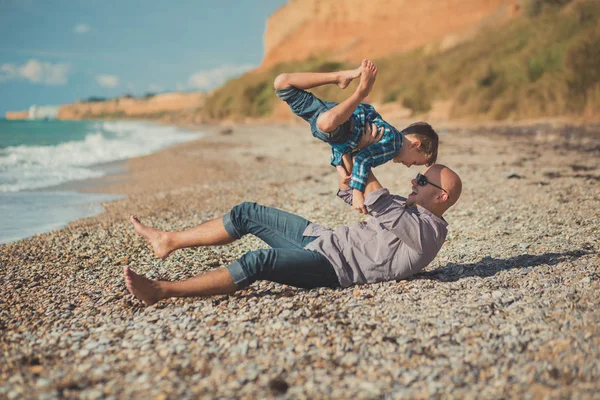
<point>437,211</point>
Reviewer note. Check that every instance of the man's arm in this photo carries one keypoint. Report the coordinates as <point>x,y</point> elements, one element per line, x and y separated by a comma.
<point>346,193</point>
<point>372,184</point>
<point>372,156</point>
<point>371,135</point>
<point>347,164</point>
<point>391,213</point>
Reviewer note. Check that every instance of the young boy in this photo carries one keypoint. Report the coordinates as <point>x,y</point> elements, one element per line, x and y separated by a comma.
<point>343,124</point>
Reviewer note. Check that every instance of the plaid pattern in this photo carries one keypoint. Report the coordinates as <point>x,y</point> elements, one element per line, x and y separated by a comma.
<point>371,156</point>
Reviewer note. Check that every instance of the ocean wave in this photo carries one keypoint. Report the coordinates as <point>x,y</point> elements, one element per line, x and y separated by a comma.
<point>33,167</point>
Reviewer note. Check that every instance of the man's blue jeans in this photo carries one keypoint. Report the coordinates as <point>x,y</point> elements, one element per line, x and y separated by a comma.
<point>287,261</point>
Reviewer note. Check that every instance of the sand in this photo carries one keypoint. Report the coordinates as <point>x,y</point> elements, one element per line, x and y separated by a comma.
<point>509,308</point>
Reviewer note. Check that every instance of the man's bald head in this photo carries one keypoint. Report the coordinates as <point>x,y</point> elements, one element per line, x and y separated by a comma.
<point>450,181</point>
<point>431,196</point>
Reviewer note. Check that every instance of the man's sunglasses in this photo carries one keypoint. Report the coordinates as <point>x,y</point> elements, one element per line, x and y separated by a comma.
<point>422,181</point>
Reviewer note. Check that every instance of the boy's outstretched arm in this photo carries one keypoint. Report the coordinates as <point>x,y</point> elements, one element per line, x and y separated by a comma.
<point>331,119</point>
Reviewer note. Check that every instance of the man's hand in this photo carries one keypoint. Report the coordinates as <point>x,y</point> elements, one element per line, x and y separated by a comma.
<point>358,201</point>
<point>370,136</point>
<point>343,174</point>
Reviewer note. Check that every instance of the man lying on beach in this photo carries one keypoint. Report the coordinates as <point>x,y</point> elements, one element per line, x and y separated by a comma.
<point>342,125</point>
<point>402,236</point>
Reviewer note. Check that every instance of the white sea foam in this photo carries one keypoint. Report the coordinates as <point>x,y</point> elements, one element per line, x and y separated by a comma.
<point>32,167</point>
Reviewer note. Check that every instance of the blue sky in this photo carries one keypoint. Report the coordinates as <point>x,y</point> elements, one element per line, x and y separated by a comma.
<point>58,51</point>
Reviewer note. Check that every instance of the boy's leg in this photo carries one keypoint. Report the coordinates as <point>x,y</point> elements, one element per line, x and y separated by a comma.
<point>309,80</point>
<point>329,121</point>
<point>290,87</point>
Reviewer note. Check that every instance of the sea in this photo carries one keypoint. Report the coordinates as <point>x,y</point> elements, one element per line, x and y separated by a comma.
<point>39,159</point>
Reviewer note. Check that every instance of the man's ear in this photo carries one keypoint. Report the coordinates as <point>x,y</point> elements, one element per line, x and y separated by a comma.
<point>416,143</point>
<point>442,197</point>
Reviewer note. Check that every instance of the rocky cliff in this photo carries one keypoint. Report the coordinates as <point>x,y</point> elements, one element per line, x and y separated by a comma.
<point>17,114</point>
<point>350,30</point>
<point>153,107</point>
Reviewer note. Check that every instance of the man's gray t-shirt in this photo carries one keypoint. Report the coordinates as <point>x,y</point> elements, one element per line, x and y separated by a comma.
<point>396,242</point>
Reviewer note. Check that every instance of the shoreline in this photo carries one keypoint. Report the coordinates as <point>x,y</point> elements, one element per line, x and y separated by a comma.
<point>137,176</point>
<point>80,195</point>
<point>509,307</point>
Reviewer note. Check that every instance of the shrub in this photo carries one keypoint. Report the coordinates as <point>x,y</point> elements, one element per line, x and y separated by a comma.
<point>587,12</point>
<point>489,78</point>
<point>582,61</point>
<point>534,8</point>
<point>261,99</point>
<point>391,96</point>
<point>329,66</point>
<point>417,99</point>
<point>94,99</point>
<point>545,61</point>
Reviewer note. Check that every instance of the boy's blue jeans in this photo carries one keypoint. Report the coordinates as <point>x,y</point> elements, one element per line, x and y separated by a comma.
<point>308,106</point>
<point>286,262</point>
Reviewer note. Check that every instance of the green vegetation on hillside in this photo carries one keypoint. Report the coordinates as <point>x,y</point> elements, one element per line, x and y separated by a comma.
<point>543,63</point>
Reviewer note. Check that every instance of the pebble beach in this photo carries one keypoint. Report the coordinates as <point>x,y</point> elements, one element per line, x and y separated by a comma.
<point>510,307</point>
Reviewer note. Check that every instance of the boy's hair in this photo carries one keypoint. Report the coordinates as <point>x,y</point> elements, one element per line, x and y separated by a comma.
<point>428,137</point>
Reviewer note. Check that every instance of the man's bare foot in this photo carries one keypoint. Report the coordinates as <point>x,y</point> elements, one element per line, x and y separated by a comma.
<point>345,77</point>
<point>157,239</point>
<point>143,288</point>
<point>367,77</point>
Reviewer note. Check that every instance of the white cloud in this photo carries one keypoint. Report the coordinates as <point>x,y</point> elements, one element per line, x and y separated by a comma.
<point>37,72</point>
<point>108,81</point>
<point>81,28</point>
<point>210,79</point>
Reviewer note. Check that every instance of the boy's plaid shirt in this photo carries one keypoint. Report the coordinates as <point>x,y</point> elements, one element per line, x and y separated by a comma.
<point>371,156</point>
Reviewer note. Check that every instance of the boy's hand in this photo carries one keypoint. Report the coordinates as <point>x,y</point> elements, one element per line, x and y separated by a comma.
<point>343,174</point>
<point>370,136</point>
<point>358,201</point>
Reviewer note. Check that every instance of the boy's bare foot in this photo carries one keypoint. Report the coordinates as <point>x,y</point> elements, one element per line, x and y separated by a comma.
<point>143,288</point>
<point>345,77</point>
<point>157,239</point>
<point>367,77</point>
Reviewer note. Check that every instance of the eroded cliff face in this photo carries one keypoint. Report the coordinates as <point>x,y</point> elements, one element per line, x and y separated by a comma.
<point>351,30</point>
<point>152,107</point>
<point>12,115</point>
